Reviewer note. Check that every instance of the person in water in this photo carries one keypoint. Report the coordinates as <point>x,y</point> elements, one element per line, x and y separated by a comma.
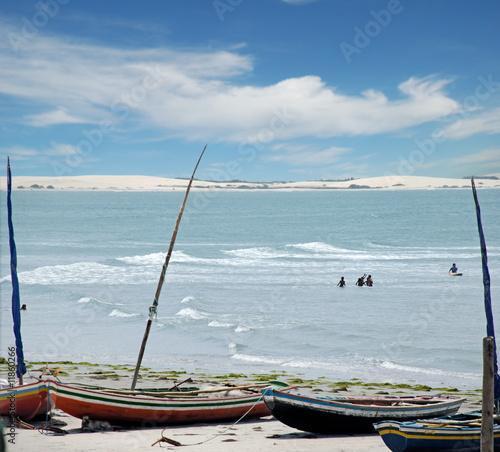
<point>453,269</point>
<point>361,281</point>
<point>369,281</point>
<point>341,282</point>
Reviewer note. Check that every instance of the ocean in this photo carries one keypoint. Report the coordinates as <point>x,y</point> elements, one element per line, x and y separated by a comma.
<point>252,284</point>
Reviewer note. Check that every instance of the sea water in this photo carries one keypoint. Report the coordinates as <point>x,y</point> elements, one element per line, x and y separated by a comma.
<point>251,286</point>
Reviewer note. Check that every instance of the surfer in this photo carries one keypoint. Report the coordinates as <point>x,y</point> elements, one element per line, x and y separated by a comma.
<point>369,281</point>
<point>341,282</point>
<point>453,269</point>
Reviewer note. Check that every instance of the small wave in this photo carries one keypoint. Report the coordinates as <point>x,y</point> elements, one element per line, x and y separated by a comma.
<point>148,259</point>
<point>92,300</point>
<point>258,359</point>
<point>217,324</point>
<point>427,371</point>
<point>157,259</point>
<point>81,272</point>
<point>321,247</point>
<point>86,273</point>
<point>257,253</point>
<point>118,313</point>
<point>242,329</point>
<point>191,314</point>
<point>187,299</point>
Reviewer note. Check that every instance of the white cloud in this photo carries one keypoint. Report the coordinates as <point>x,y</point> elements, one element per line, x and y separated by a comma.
<point>58,116</point>
<point>195,96</point>
<point>486,122</point>
<point>484,156</point>
<point>19,153</point>
<point>305,155</point>
<point>61,149</point>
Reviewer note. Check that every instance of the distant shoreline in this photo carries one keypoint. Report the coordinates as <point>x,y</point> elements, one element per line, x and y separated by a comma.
<point>151,183</point>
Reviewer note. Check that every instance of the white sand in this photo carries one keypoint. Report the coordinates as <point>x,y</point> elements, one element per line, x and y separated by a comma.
<point>253,435</point>
<point>150,183</point>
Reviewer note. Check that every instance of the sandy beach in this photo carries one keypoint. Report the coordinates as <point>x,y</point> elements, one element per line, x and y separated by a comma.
<point>247,435</point>
<point>150,183</point>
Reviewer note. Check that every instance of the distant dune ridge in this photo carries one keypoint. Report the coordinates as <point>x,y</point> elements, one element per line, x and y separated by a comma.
<point>151,183</point>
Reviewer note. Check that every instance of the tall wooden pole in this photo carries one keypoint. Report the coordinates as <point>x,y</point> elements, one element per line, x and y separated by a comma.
<point>154,306</point>
<point>487,441</point>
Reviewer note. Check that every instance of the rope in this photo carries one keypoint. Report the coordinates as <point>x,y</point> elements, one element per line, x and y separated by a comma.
<point>176,443</point>
<point>47,412</point>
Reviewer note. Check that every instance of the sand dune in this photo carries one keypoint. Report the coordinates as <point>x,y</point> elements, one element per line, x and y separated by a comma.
<point>150,183</point>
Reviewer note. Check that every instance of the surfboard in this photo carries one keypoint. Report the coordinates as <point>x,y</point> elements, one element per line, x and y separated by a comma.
<point>455,274</point>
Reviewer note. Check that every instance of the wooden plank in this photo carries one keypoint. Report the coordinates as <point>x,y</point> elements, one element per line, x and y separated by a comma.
<point>487,441</point>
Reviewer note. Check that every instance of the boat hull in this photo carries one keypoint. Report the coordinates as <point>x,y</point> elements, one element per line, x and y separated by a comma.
<point>421,436</point>
<point>25,401</point>
<point>148,411</point>
<point>344,415</point>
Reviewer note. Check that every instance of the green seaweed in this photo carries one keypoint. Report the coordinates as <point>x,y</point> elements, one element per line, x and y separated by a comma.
<point>229,376</point>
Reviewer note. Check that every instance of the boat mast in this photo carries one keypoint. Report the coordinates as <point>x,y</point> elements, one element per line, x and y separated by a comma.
<point>16,302</point>
<point>490,327</point>
<point>153,308</point>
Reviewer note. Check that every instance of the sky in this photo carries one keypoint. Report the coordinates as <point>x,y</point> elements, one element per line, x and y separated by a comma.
<point>279,90</point>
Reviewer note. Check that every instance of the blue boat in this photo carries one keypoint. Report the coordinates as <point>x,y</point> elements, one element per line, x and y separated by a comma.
<point>342,415</point>
<point>457,433</point>
<point>460,432</point>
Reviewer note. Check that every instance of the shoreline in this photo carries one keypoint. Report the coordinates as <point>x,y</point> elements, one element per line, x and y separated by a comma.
<point>248,435</point>
<point>151,183</point>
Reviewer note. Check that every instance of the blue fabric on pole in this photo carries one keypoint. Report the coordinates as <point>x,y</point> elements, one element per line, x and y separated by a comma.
<point>490,327</point>
<point>16,302</point>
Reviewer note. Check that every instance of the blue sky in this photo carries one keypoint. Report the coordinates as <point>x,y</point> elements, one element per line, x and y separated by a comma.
<point>278,89</point>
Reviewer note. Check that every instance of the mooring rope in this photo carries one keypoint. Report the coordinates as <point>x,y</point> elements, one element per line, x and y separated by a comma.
<point>164,439</point>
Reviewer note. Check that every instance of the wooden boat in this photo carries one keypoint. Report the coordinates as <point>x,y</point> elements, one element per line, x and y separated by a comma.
<point>18,400</point>
<point>331,415</point>
<point>25,401</point>
<point>146,409</point>
<point>460,432</point>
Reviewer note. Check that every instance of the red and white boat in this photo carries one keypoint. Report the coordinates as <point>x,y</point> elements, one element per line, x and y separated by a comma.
<point>144,409</point>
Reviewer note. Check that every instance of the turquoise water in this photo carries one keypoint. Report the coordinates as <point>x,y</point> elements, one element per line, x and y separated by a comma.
<point>251,286</point>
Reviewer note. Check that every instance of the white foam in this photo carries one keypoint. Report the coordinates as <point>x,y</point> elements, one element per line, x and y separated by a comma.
<point>148,259</point>
<point>191,314</point>
<point>217,324</point>
<point>257,253</point>
<point>321,247</point>
<point>118,313</point>
<point>86,273</point>
<point>426,371</point>
<point>92,300</point>
<point>242,329</point>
